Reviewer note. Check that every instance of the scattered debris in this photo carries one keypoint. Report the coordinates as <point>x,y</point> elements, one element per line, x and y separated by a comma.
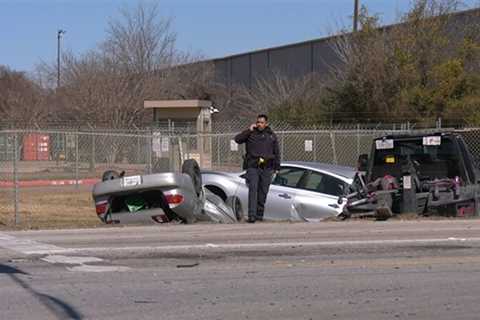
<point>188,265</point>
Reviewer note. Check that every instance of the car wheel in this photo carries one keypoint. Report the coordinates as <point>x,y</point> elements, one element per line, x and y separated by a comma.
<point>237,209</point>
<point>234,203</point>
<point>191,168</point>
<point>110,175</point>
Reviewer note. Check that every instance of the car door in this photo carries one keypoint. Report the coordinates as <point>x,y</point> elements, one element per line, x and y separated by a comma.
<point>282,193</point>
<point>318,198</point>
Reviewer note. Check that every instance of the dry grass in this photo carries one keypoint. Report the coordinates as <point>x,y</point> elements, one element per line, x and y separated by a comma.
<point>49,208</point>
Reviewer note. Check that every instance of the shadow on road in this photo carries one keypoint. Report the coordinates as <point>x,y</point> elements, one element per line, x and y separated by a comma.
<point>58,307</point>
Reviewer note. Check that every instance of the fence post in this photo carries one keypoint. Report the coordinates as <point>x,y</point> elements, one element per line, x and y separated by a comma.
<point>315,147</point>
<point>150,151</point>
<point>180,150</point>
<point>282,147</point>
<point>137,158</point>
<point>334,150</point>
<point>15,178</point>
<point>358,141</point>
<point>93,160</point>
<point>76,160</point>
<point>218,151</point>
<point>187,146</point>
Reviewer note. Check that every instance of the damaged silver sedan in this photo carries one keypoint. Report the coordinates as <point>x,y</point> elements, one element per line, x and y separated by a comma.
<point>301,191</point>
<point>159,198</point>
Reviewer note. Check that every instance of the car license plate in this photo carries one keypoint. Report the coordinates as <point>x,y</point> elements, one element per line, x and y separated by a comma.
<point>131,181</point>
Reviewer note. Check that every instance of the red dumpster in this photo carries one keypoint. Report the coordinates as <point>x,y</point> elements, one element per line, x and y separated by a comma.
<point>36,147</point>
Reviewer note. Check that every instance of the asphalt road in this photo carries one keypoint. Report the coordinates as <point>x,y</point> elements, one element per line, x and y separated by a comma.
<point>335,270</point>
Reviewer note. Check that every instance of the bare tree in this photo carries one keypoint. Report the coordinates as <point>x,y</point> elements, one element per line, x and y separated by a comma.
<point>137,61</point>
<point>22,101</point>
<point>285,99</point>
<point>140,40</point>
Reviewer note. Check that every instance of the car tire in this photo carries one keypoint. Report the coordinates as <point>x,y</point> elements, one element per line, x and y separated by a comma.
<point>235,204</point>
<point>238,210</point>
<point>110,175</point>
<point>191,168</point>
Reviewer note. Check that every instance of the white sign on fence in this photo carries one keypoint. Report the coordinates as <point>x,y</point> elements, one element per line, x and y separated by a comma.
<point>165,144</point>
<point>70,140</point>
<point>233,145</point>
<point>308,145</point>
<point>407,182</point>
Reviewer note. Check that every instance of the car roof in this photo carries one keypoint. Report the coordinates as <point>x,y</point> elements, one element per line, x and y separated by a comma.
<point>347,172</point>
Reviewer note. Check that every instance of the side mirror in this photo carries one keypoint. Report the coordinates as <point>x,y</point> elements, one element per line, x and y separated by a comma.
<point>362,163</point>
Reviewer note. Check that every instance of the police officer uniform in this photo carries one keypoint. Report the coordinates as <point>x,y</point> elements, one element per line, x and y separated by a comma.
<point>261,160</point>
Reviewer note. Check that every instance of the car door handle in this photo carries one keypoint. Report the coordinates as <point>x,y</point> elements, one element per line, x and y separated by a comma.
<point>285,196</point>
<point>335,206</point>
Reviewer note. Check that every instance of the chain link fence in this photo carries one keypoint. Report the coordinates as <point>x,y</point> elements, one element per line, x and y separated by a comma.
<point>48,176</point>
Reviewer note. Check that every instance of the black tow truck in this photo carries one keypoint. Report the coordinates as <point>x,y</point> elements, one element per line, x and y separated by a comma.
<point>426,174</point>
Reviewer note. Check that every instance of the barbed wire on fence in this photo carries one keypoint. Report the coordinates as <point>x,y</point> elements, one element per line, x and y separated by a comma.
<point>218,126</point>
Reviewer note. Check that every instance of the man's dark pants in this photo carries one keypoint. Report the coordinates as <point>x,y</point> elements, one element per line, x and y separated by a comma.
<point>258,181</point>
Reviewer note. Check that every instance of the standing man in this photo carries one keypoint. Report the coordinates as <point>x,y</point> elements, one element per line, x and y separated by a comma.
<point>262,160</point>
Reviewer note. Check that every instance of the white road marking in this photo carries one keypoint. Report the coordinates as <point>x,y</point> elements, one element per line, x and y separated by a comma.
<point>458,239</point>
<point>88,268</point>
<point>260,245</point>
<point>24,245</point>
<point>30,247</point>
<point>70,260</point>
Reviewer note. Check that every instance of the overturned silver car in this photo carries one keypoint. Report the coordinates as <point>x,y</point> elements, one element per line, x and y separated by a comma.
<point>159,198</point>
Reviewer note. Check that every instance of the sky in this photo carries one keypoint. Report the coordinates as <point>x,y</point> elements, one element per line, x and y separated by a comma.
<point>212,28</point>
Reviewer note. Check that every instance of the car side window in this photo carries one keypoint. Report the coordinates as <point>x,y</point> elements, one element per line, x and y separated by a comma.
<point>323,183</point>
<point>289,177</point>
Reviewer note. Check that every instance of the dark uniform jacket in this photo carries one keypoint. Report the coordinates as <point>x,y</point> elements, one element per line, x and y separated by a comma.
<point>260,144</point>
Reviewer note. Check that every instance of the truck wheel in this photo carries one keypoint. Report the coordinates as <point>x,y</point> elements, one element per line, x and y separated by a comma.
<point>110,175</point>
<point>383,213</point>
<point>449,210</point>
<point>191,168</point>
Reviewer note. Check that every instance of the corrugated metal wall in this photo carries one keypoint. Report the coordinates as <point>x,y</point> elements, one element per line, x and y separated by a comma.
<point>300,59</point>
<point>295,60</point>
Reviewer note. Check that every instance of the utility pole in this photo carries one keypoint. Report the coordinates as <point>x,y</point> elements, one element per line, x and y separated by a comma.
<point>59,37</point>
<point>355,15</point>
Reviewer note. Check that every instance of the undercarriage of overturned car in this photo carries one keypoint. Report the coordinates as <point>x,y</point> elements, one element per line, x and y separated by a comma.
<point>424,174</point>
<point>159,198</point>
